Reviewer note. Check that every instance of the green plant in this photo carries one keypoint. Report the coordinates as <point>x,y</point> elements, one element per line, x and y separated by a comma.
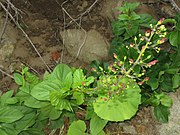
<point>37,102</point>
<point>164,75</point>
<point>129,23</point>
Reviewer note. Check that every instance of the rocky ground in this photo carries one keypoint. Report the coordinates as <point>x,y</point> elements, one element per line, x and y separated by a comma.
<point>53,27</point>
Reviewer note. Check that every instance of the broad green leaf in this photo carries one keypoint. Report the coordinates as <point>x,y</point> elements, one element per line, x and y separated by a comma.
<point>146,20</point>
<point>79,97</point>
<point>89,112</point>
<point>77,128</point>
<point>42,90</point>
<point>125,104</point>
<point>59,100</point>
<point>7,98</point>
<point>174,38</point>
<point>172,70</point>
<point>102,133</point>
<point>25,88</point>
<point>166,101</point>
<point>118,28</point>
<point>25,122</point>
<point>8,114</point>
<point>32,102</point>
<point>161,112</point>
<point>153,82</point>
<point>8,94</point>
<point>18,78</point>
<point>78,78</point>
<point>9,129</point>
<point>89,80</point>
<point>50,112</point>
<point>154,101</point>
<point>176,81</point>
<point>47,76</point>
<point>11,101</point>
<point>2,132</point>
<point>58,123</point>
<point>97,124</point>
<point>132,28</point>
<point>61,71</point>
<point>31,131</point>
<point>68,81</point>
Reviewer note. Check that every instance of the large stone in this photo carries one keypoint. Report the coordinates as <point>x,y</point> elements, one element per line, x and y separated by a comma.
<point>94,45</point>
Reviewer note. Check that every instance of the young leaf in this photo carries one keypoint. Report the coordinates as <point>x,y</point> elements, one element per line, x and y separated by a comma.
<point>97,124</point>
<point>18,78</point>
<point>9,115</point>
<point>77,128</point>
<point>61,71</point>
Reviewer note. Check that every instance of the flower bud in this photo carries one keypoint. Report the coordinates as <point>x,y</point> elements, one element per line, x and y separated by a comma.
<point>115,56</point>
<point>131,61</point>
<point>132,44</point>
<point>147,33</point>
<point>160,21</point>
<point>93,69</point>
<point>146,78</point>
<point>140,83</point>
<point>152,63</point>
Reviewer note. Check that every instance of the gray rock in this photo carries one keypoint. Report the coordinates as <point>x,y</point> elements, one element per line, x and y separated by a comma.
<point>173,126</point>
<point>6,51</point>
<point>130,130</point>
<point>94,45</point>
